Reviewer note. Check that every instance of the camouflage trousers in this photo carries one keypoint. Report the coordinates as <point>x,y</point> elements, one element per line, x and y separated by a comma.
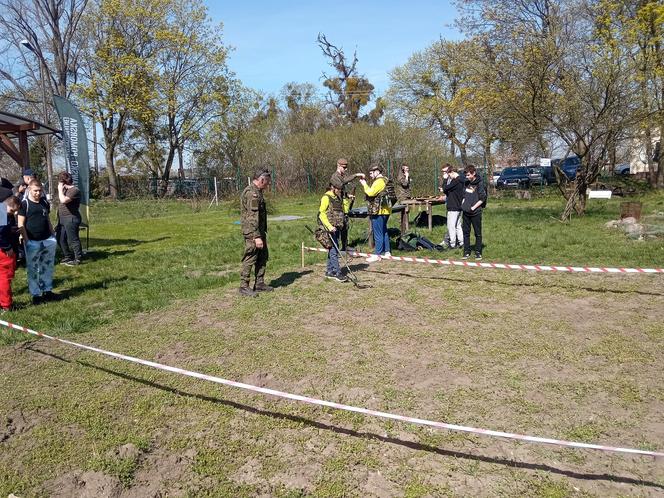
<point>253,257</point>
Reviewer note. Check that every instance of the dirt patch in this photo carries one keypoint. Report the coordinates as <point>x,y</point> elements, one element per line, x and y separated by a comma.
<point>571,357</point>
<point>14,424</point>
<point>176,354</point>
<point>260,379</point>
<point>163,474</point>
<point>84,485</point>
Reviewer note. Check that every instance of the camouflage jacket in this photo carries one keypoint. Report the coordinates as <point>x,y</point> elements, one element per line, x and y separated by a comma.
<point>345,180</point>
<point>253,213</point>
<point>403,187</point>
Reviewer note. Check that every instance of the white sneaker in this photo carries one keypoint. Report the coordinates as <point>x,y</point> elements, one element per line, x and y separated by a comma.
<point>373,258</point>
<point>388,254</point>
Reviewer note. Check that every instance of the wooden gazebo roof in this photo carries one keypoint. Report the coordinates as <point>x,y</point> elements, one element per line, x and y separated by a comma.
<point>18,127</point>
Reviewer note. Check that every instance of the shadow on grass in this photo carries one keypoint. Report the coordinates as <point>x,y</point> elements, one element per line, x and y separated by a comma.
<point>93,255</point>
<point>81,289</point>
<point>365,435</point>
<point>123,242</point>
<point>519,284</point>
<point>288,278</point>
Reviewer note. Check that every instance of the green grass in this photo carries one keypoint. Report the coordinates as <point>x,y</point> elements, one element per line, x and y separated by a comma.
<point>555,355</point>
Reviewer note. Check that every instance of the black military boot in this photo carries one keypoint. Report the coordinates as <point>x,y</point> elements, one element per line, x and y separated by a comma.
<point>246,291</point>
<point>262,287</point>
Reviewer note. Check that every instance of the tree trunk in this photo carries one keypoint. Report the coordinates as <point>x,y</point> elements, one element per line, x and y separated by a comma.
<point>167,172</point>
<point>488,159</point>
<point>112,176</point>
<point>647,143</point>
<point>463,154</point>
<point>576,201</point>
<point>180,163</point>
<point>660,162</point>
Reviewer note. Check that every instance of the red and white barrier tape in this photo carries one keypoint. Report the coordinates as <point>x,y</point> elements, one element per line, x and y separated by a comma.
<point>339,406</point>
<point>504,266</point>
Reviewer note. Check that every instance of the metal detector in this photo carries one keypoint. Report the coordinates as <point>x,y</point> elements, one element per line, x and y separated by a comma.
<point>351,275</point>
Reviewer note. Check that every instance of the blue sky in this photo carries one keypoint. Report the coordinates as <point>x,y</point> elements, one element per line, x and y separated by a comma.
<point>275,42</point>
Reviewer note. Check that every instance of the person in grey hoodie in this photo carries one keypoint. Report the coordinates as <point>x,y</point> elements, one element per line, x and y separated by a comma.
<point>474,197</point>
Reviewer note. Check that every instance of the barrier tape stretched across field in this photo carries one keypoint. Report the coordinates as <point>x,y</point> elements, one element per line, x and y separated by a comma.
<point>503,266</point>
<point>339,406</point>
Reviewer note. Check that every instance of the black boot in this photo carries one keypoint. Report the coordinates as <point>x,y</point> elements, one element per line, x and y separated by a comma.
<point>262,287</point>
<point>246,291</point>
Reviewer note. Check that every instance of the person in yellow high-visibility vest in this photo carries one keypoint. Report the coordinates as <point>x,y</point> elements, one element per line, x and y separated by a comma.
<point>331,216</point>
<point>379,209</point>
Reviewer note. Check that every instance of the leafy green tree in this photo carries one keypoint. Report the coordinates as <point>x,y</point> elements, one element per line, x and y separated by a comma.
<point>192,78</point>
<point>223,143</point>
<point>304,111</point>
<point>558,75</point>
<point>640,25</point>
<point>119,68</point>
<point>438,88</point>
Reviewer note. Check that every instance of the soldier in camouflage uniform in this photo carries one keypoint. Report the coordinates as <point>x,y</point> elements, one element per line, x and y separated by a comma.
<point>403,184</point>
<point>254,229</point>
<point>340,176</point>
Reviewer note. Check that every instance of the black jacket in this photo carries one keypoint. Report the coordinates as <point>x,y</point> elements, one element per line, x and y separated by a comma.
<point>453,190</point>
<point>473,191</point>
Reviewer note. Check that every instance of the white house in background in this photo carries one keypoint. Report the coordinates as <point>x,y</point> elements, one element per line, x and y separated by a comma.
<point>638,162</point>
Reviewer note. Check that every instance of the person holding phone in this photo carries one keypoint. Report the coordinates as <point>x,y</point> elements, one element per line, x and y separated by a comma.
<point>69,220</point>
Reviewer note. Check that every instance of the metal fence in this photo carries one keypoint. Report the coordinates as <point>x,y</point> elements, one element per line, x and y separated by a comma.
<point>425,179</point>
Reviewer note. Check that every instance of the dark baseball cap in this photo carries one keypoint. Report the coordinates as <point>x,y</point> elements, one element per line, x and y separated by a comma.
<point>28,172</point>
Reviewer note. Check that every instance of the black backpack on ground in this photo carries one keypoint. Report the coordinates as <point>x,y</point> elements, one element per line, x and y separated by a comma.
<point>413,241</point>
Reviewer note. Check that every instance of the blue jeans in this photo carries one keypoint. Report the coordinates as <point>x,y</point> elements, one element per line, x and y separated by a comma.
<point>333,267</point>
<point>39,261</point>
<point>379,229</point>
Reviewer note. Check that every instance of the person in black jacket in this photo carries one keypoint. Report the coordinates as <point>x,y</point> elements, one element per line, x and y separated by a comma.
<point>474,197</point>
<point>453,195</point>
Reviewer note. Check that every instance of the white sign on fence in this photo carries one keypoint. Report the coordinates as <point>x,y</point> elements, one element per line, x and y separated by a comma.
<point>545,161</point>
<point>599,194</point>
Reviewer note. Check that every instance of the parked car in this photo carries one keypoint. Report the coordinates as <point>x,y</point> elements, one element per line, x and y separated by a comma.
<point>568,165</point>
<point>621,169</point>
<point>549,175</point>
<point>536,174</point>
<point>515,177</point>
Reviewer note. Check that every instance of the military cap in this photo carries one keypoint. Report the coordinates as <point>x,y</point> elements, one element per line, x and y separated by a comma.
<point>376,167</point>
<point>261,172</point>
<point>342,162</point>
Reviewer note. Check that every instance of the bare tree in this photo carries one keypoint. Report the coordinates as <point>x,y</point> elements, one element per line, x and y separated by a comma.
<point>349,91</point>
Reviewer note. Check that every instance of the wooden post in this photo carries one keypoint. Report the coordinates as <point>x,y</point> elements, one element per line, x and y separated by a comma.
<point>215,199</point>
<point>302,254</point>
<point>430,215</point>
<point>404,219</point>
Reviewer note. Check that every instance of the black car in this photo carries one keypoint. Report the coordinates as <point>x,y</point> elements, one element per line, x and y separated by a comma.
<point>515,177</point>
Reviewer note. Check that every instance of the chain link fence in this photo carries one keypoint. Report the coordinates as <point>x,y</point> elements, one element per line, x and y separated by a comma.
<point>425,180</point>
